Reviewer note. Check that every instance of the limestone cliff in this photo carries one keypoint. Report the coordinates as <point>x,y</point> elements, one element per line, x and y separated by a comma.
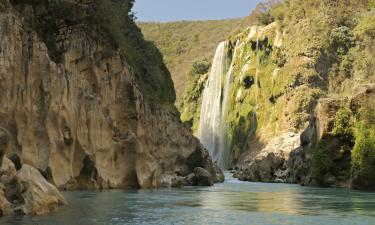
<point>80,105</point>
<point>284,76</point>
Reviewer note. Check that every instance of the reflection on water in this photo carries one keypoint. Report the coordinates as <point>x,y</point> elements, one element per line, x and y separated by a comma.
<point>232,202</point>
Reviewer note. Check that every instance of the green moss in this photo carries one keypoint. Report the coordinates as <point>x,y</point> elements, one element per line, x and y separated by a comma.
<point>190,107</point>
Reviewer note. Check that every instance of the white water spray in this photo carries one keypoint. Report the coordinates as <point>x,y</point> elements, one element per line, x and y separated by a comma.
<point>212,127</point>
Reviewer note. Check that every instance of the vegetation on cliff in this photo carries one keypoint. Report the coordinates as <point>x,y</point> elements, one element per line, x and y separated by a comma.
<point>363,155</point>
<point>186,42</point>
<point>89,103</point>
<point>112,24</point>
<point>303,51</point>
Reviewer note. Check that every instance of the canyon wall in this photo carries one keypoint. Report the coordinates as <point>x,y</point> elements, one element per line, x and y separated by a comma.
<point>80,111</point>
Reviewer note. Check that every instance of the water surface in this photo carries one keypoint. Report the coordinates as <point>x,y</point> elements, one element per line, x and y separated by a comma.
<point>232,202</point>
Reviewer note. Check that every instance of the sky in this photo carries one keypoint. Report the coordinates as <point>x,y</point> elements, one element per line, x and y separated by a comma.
<point>176,10</point>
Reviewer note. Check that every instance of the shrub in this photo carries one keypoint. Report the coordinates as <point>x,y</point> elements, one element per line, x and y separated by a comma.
<point>366,26</point>
<point>200,67</point>
<point>278,11</point>
<point>343,125</point>
<point>321,162</point>
<point>363,154</point>
<point>341,40</point>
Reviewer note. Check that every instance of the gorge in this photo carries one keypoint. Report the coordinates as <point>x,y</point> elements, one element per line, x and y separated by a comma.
<point>212,127</point>
<point>83,109</point>
<point>100,125</point>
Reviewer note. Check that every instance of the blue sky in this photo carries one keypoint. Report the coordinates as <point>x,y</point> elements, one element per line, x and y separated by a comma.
<point>175,10</point>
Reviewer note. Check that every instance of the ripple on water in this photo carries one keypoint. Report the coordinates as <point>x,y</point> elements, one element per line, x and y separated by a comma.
<point>232,202</point>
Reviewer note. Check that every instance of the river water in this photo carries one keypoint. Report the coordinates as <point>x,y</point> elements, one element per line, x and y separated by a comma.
<point>232,202</point>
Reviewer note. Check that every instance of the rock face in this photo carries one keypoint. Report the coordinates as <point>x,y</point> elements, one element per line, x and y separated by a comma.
<point>319,133</point>
<point>40,196</point>
<point>26,191</point>
<point>84,122</point>
<point>319,140</point>
<point>289,77</point>
<point>270,164</point>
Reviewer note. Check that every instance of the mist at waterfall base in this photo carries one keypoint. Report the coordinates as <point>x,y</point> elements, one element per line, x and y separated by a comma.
<point>231,202</point>
<point>212,126</point>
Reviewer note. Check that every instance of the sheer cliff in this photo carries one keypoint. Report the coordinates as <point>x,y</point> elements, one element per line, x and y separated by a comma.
<point>88,102</point>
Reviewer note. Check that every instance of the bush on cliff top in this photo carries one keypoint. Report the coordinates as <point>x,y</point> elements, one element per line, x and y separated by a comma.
<point>115,23</point>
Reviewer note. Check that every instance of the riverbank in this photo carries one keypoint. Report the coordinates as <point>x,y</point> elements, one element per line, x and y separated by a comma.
<point>231,202</point>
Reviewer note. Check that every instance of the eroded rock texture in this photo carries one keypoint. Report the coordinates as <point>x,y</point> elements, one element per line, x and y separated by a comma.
<point>84,122</point>
<point>271,163</point>
<point>25,191</point>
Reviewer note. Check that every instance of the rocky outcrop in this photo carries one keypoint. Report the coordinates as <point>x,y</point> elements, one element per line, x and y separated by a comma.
<point>40,196</point>
<point>318,141</point>
<point>84,122</point>
<point>271,163</point>
<point>26,191</point>
<point>324,158</point>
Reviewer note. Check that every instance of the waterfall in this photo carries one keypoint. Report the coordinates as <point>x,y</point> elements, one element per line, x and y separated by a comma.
<point>212,127</point>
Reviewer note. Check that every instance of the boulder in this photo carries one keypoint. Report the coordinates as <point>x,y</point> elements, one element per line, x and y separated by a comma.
<point>269,165</point>
<point>26,192</point>
<point>190,180</point>
<point>318,136</point>
<point>40,197</point>
<point>204,178</point>
<point>8,168</point>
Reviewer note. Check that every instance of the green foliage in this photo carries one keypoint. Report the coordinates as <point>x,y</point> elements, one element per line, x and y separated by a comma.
<point>267,12</point>
<point>371,4</point>
<point>321,162</point>
<point>265,18</point>
<point>200,67</point>
<point>364,53</point>
<point>47,19</point>
<point>278,11</point>
<point>191,104</point>
<point>109,23</point>
<point>363,154</point>
<point>341,40</point>
<point>116,25</point>
<point>183,43</point>
<point>366,26</point>
<point>343,127</point>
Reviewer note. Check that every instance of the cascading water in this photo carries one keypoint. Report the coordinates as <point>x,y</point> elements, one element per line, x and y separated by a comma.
<point>212,127</point>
